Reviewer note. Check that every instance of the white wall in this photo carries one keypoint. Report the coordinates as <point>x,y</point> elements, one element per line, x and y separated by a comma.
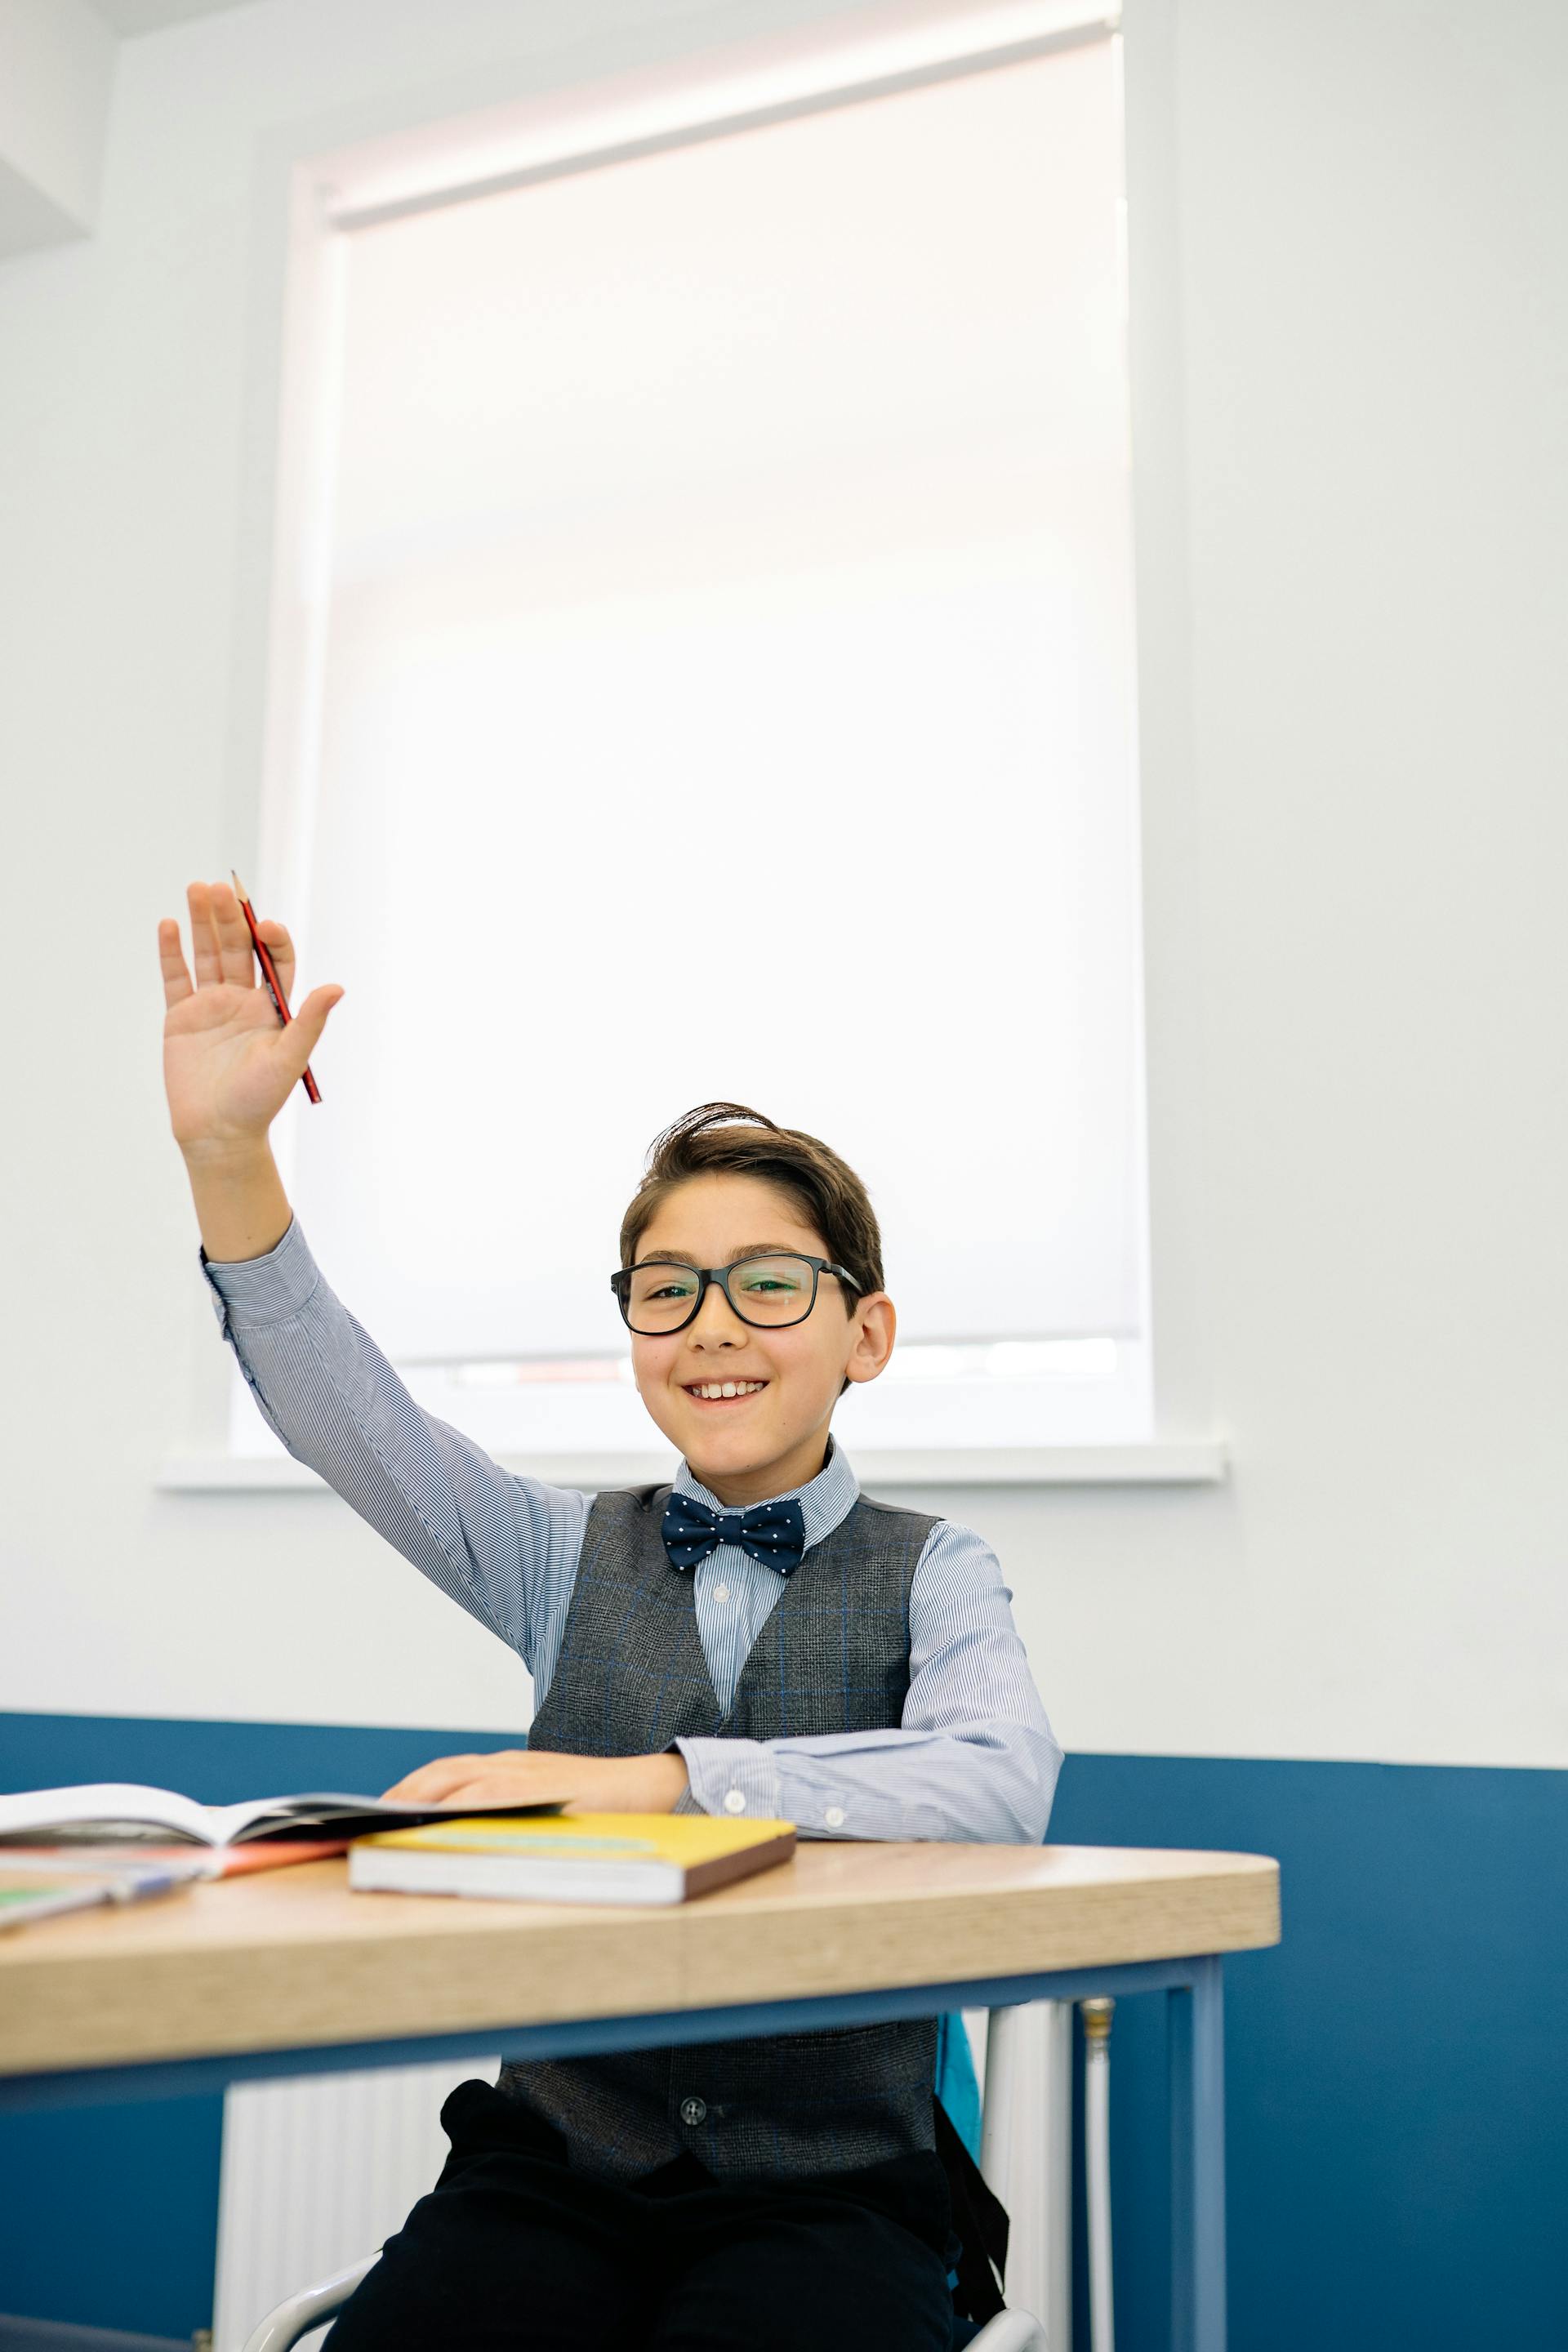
<point>57,68</point>
<point>1367,265</point>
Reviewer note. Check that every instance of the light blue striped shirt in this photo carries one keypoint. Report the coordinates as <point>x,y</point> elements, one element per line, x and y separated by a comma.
<point>975,1756</point>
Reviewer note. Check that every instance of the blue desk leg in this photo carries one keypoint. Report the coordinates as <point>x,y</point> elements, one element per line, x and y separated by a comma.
<point>1197,2161</point>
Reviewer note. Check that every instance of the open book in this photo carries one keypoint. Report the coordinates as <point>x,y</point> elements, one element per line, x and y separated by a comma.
<point>120,1812</point>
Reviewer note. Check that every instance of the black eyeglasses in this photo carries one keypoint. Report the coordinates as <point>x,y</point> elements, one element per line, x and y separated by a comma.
<point>770,1292</point>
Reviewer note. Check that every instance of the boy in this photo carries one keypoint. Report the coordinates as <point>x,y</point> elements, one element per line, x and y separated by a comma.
<point>758,1639</point>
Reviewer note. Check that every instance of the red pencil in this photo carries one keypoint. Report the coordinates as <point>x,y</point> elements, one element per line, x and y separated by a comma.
<point>269,974</point>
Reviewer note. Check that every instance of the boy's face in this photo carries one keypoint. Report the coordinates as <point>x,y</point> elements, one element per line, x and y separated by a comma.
<point>747,1448</point>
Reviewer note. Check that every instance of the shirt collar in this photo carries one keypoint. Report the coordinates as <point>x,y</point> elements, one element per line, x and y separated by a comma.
<point>824,1500</point>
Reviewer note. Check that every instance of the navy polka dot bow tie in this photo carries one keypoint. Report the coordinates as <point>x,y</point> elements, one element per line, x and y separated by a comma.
<point>774,1533</point>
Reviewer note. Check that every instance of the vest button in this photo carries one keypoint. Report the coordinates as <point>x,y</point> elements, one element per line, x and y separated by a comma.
<point>693,2111</point>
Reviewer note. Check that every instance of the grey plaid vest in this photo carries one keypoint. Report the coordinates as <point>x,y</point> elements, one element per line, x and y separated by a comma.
<point>632,1677</point>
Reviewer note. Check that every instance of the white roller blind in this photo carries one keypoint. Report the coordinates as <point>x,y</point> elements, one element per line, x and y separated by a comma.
<point>728,691</point>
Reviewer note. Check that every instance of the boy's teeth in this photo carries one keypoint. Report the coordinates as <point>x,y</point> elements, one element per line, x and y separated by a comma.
<point>730,1388</point>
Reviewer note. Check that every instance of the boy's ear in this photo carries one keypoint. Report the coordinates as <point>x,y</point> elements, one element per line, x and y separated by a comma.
<point>876,1321</point>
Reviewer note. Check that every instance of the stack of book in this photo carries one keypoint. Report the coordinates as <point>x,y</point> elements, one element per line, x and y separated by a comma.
<point>575,1858</point>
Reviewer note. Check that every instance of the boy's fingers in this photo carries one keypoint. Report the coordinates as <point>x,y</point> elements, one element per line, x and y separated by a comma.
<point>221,942</point>
<point>303,1036</point>
<point>240,967</point>
<point>493,1790</point>
<point>177,983</point>
<point>281,947</point>
<point>203,935</point>
<point>506,1776</point>
<point>430,1784</point>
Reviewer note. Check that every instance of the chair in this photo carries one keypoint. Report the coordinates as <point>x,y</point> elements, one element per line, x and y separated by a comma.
<point>1010,2331</point>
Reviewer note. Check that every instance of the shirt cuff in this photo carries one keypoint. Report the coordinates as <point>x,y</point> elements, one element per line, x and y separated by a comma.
<point>736,1779</point>
<point>249,1292</point>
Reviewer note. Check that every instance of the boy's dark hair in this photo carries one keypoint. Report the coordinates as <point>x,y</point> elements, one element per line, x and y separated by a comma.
<point>726,1138</point>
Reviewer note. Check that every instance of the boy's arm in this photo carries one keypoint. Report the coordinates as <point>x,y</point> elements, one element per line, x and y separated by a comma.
<point>974,1756</point>
<point>504,1548</point>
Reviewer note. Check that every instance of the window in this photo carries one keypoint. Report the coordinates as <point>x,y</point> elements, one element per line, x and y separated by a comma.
<point>726,688</point>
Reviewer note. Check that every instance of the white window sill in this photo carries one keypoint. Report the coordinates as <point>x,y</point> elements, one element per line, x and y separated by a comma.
<point>1179,1462</point>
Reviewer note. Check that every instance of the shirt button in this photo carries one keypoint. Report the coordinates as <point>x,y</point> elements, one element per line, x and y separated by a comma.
<point>734,1802</point>
<point>833,1817</point>
<point>693,2111</point>
<point>722,1593</point>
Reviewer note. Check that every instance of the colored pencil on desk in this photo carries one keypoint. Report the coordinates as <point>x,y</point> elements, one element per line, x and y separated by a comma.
<point>38,1883</point>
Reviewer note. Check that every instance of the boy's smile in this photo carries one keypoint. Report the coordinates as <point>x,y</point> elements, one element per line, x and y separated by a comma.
<point>750,1406</point>
<point>730,1391</point>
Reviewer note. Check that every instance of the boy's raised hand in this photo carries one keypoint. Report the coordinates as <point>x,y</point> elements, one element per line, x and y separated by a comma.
<point>229,1064</point>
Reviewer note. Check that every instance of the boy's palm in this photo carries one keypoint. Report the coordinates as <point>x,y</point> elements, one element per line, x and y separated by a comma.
<point>229,1065</point>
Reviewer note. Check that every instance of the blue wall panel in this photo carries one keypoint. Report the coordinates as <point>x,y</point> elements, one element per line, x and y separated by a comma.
<point>1397,2069</point>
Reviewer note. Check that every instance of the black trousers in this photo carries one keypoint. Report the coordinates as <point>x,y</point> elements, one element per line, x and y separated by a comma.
<point>513,2252</point>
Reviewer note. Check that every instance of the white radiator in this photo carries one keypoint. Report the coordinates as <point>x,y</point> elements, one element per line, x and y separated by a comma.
<point>317,2171</point>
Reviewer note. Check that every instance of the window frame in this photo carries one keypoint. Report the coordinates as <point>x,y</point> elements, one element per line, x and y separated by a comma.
<point>376,167</point>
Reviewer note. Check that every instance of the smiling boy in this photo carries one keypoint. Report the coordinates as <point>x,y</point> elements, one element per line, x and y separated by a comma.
<point>755,1638</point>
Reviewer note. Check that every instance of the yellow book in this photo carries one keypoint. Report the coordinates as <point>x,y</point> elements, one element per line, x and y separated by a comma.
<point>569,1858</point>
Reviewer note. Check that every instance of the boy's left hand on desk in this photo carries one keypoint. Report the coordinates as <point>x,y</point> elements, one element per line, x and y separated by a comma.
<point>581,1784</point>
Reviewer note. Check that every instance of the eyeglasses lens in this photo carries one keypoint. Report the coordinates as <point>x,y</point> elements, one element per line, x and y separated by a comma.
<point>764,1290</point>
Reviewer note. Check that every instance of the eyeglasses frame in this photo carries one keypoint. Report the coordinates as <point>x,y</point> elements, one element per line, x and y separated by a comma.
<point>620,1283</point>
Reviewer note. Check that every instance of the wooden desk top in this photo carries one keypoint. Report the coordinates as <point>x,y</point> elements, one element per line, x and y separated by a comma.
<point>290,1958</point>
